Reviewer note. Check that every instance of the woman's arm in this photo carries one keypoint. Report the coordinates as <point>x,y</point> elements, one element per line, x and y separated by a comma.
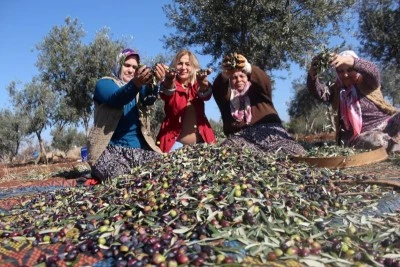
<point>205,94</point>
<point>369,73</point>
<point>319,90</point>
<point>108,92</point>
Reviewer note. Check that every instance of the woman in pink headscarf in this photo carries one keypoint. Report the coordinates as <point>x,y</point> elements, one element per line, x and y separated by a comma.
<point>365,120</point>
<point>243,93</point>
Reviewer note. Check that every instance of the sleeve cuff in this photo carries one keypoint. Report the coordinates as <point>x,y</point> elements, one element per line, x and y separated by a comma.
<point>206,93</point>
<point>247,68</point>
<point>167,91</point>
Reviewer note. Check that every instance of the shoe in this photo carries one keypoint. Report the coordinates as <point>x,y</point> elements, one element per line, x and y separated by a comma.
<point>86,181</point>
<point>91,181</point>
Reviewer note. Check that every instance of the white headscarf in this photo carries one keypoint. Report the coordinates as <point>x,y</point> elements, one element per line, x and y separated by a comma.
<point>348,53</point>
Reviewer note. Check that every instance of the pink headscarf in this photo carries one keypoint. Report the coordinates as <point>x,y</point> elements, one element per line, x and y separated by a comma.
<point>350,108</point>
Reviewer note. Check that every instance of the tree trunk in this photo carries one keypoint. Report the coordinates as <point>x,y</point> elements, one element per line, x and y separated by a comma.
<point>42,156</point>
<point>331,117</point>
<point>86,125</point>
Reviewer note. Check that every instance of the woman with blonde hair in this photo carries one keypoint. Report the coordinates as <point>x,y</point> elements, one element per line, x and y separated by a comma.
<point>184,91</point>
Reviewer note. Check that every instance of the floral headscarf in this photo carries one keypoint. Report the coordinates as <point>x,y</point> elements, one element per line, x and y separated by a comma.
<point>120,60</point>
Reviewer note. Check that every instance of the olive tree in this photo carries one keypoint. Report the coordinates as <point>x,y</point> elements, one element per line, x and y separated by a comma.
<point>308,114</point>
<point>12,132</point>
<point>379,23</point>
<point>66,138</point>
<point>71,68</point>
<point>35,102</point>
<point>270,34</point>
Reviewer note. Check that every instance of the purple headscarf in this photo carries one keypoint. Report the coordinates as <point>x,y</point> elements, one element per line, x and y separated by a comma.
<point>120,60</point>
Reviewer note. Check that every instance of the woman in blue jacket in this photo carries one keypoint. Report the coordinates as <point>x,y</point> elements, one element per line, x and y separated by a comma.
<point>120,138</point>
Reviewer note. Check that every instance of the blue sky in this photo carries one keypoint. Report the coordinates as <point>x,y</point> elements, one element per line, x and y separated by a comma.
<point>24,23</point>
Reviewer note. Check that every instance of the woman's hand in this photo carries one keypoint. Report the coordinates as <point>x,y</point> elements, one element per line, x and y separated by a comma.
<point>142,76</point>
<point>233,62</point>
<point>202,80</point>
<point>170,74</point>
<point>338,60</point>
<point>159,71</point>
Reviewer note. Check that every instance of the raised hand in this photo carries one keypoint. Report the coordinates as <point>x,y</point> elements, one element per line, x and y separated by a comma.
<point>338,60</point>
<point>202,80</point>
<point>170,74</point>
<point>142,76</point>
<point>233,62</point>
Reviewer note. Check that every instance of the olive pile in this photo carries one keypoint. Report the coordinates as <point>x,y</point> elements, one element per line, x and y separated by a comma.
<point>207,205</point>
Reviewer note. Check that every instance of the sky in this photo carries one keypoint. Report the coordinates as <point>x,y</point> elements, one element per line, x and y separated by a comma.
<point>25,23</point>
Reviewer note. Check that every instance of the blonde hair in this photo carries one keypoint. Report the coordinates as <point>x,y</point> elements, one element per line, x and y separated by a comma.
<point>193,61</point>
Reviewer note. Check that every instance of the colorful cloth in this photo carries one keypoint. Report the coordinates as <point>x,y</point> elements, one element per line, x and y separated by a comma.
<point>266,137</point>
<point>240,104</point>
<point>117,160</point>
<point>384,135</point>
<point>350,109</point>
<point>16,253</point>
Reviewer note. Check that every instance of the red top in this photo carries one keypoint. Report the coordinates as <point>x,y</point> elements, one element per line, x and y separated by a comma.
<point>175,107</point>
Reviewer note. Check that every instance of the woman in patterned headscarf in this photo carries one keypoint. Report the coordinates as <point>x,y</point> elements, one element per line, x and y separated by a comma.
<point>120,138</point>
<point>365,120</point>
<point>244,97</point>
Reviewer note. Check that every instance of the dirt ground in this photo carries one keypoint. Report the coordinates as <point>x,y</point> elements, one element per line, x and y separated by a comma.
<point>60,173</point>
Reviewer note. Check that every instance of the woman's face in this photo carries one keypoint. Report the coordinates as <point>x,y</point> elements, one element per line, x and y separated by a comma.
<point>347,75</point>
<point>239,80</point>
<point>183,69</point>
<point>128,68</point>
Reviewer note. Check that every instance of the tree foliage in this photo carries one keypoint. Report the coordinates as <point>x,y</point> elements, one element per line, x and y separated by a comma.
<point>12,132</point>
<point>57,63</point>
<point>218,129</point>
<point>35,102</point>
<point>379,23</point>
<point>65,139</point>
<point>72,68</point>
<point>390,83</point>
<point>307,114</point>
<point>96,60</point>
<point>269,33</point>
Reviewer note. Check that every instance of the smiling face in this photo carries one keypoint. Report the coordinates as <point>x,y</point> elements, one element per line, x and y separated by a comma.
<point>183,69</point>
<point>128,68</point>
<point>347,75</point>
<point>239,80</point>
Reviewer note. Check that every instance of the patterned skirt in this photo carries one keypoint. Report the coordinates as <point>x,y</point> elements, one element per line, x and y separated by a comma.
<point>386,135</point>
<point>117,160</point>
<point>267,137</point>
